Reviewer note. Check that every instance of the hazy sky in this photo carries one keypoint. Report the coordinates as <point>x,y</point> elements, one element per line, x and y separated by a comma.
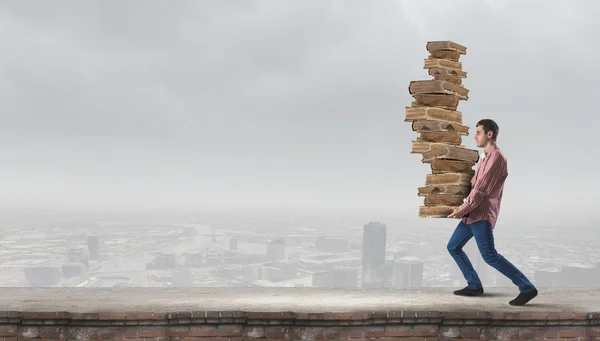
<point>285,104</point>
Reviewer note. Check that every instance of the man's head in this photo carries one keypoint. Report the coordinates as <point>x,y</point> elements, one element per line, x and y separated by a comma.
<point>486,132</point>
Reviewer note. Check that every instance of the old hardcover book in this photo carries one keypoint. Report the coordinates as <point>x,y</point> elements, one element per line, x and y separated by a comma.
<point>433,150</point>
<point>445,54</point>
<point>443,200</point>
<point>448,75</point>
<point>435,211</point>
<point>430,113</point>
<point>438,87</point>
<point>431,125</point>
<point>445,165</point>
<point>451,137</point>
<point>447,71</point>
<point>445,45</point>
<point>462,190</point>
<point>444,101</point>
<point>437,63</point>
<point>460,179</point>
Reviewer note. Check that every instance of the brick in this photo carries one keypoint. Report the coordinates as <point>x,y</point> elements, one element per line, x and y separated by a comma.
<point>54,333</point>
<point>533,332</point>
<point>525,316</point>
<point>29,332</point>
<point>330,316</point>
<point>475,333</point>
<point>254,332</point>
<point>229,330</point>
<point>111,332</point>
<point>553,316</point>
<point>503,333</point>
<point>332,333</point>
<point>146,315</point>
<point>203,331</point>
<point>355,332</point>
<point>360,316</point>
<point>279,333</point>
<point>594,331</point>
<point>446,332</point>
<point>151,332</point>
<point>82,333</point>
<point>374,331</point>
<point>398,331</point>
<point>425,330</point>
<point>394,314</point>
<point>379,315</point>
<point>307,333</point>
<point>566,316</point>
<point>344,316</point>
<point>571,332</point>
<point>539,316</point>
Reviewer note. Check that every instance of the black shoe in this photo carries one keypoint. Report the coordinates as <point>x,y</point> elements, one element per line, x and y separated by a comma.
<point>522,299</point>
<point>469,292</point>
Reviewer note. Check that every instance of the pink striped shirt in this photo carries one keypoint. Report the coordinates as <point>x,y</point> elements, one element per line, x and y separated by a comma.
<point>483,203</point>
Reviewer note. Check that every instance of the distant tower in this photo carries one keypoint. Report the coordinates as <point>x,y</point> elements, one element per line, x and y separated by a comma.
<point>233,244</point>
<point>408,273</point>
<point>93,244</point>
<point>373,257</point>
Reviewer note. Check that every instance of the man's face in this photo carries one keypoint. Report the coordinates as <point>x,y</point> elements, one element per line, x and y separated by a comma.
<point>481,138</point>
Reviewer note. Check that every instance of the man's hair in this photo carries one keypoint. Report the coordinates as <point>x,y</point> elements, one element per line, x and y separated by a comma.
<point>489,125</point>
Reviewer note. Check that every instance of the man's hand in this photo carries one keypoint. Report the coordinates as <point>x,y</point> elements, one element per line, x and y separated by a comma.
<point>456,214</point>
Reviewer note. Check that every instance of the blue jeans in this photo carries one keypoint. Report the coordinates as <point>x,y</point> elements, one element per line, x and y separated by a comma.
<point>484,236</point>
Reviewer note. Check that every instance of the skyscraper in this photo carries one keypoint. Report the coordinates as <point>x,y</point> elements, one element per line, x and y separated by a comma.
<point>373,257</point>
<point>408,273</point>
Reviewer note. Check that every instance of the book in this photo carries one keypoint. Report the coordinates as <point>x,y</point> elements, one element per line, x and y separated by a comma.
<point>447,165</point>
<point>431,113</point>
<point>439,150</point>
<point>443,200</point>
<point>444,101</point>
<point>436,63</point>
<point>448,75</point>
<point>446,71</point>
<point>452,55</point>
<point>438,87</point>
<point>431,125</point>
<point>445,45</point>
<point>459,179</point>
<point>462,190</point>
<point>435,211</point>
<point>450,137</point>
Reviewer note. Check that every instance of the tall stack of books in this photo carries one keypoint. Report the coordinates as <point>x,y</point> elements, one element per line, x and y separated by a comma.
<point>434,116</point>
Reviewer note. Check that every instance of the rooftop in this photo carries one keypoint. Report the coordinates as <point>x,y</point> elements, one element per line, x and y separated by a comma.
<point>82,300</point>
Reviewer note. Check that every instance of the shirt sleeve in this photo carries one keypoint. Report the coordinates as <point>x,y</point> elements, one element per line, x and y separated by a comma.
<point>493,172</point>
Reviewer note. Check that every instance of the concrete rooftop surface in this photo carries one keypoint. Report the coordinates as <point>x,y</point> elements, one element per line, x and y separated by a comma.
<point>80,300</point>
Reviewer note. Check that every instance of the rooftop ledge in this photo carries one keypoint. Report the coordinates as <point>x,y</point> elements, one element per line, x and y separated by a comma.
<point>312,300</point>
<point>293,314</point>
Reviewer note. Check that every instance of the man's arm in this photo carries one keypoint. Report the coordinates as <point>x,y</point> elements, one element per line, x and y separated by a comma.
<point>488,179</point>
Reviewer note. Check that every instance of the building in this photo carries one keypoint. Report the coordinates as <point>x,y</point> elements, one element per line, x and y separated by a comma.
<point>93,244</point>
<point>233,244</point>
<point>408,273</point>
<point>373,254</point>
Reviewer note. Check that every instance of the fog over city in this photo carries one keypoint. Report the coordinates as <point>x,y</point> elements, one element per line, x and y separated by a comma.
<point>263,142</point>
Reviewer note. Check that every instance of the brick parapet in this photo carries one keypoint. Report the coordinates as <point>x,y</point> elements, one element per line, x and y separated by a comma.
<point>271,326</point>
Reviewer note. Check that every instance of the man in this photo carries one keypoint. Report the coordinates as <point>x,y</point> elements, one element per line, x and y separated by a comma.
<point>479,213</point>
